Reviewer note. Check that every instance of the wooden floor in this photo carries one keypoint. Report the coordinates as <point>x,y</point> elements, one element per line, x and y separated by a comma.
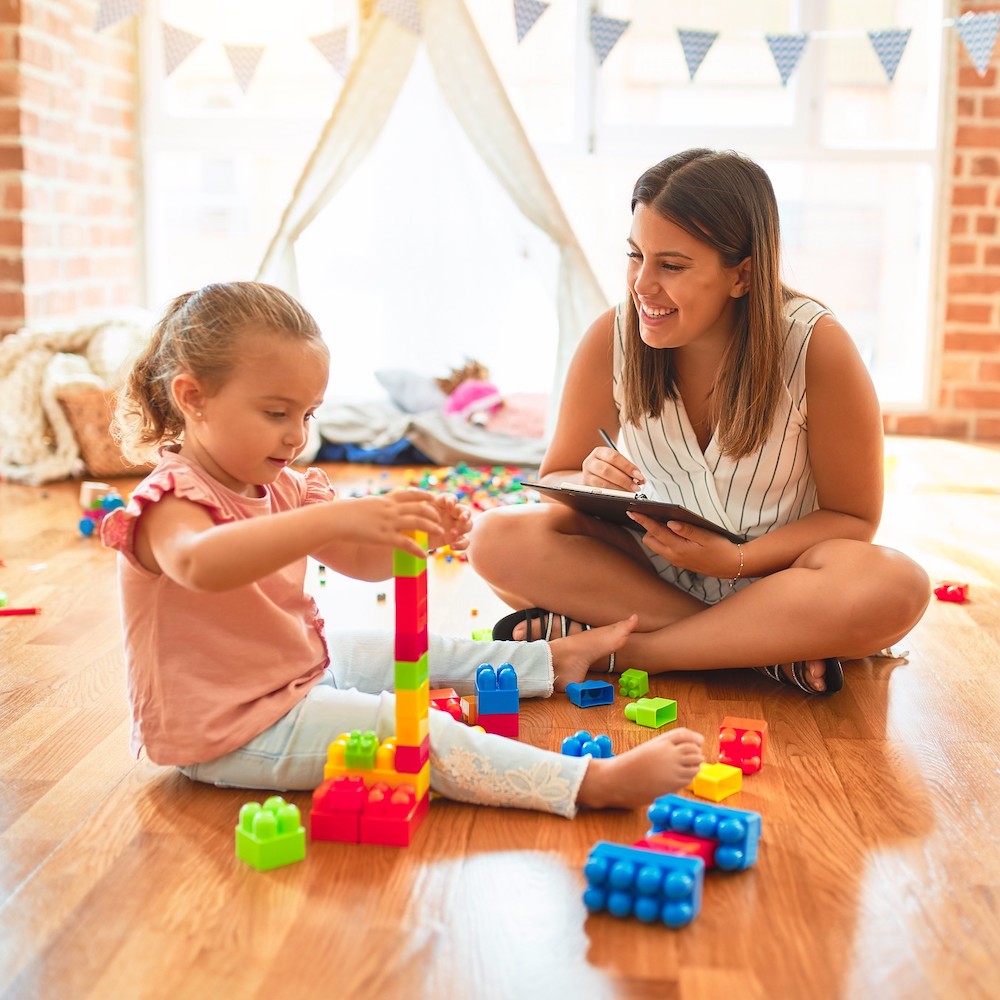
<point>878,874</point>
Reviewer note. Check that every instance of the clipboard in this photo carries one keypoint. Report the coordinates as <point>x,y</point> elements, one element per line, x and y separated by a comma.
<point>613,505</point>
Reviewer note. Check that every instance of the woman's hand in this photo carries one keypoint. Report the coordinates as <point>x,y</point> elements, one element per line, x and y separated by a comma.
<point>611,470</point>
<point>689,547</point>
<point>456,523</point>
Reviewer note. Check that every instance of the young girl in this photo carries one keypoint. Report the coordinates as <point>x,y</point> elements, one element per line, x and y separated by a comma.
<point>230,677</point>
<point>735,396</point>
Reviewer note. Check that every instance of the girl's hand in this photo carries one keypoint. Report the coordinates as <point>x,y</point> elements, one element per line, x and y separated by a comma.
<point>611,470</point>
<point>456,523</point>
<point>383,520</point>
<point>689,547</point>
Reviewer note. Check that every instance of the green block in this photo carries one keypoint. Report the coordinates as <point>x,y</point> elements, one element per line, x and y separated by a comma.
<point>404,564</point>
<point>359,751</point>
<point>270,835</point>
<point>411,674</point>
<point>633,683</point>
<point>652,712</point>
<point>482,634</point>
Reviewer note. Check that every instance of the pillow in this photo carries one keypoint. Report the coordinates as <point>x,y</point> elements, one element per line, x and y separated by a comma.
<point>410,391</point>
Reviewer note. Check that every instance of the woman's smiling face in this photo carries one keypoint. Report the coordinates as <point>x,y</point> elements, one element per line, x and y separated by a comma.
<point>680,287</point>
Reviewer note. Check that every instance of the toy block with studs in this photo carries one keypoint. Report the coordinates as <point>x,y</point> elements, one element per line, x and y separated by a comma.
<point>742,743</point>
<point>496,690</point>
<point>336,810</point>
<point>633,683</point>
<point>587,694</point>
<point>652,712</point>
<point>736,832</point>
<point>582,744</point>
<point>391,815</point>
<point>716,781</point>
<point>270,835</point>
<point>651,885</point>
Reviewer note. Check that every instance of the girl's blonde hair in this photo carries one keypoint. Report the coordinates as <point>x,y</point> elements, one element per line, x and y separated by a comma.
<point>198,334</point>
<point>725,200</point>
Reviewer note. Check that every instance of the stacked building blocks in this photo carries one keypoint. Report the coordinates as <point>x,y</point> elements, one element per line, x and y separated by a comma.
<point>582,744</point>
<point>346,810</point>
<point>742,743</point>
<point>650,885</point>
<point>716,781</point>
<point>735,832</point>
<point>497,699</point>
<point>96,500</point>
<point>270,835</point>
<point>385,768</point>
<point>587,694</point>
<point>652,712</point>
<point>633,683</point>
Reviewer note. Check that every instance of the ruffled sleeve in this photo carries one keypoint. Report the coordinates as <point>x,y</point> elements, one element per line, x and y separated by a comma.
<point>318,488</point>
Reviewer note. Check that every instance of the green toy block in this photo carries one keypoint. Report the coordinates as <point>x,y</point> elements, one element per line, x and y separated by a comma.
<point>482,634</point>
<point>405,564</point>
<point>360,750</point>
<point>633,683</point>
<point>270,835</point>
<point>652,712</point>
<point>410,674</point>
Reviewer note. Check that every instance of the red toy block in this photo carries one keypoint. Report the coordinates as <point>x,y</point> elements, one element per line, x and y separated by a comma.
<point>392,815</point>
<point>680,843</point>
<point>410,646</point>
<point>411,603</point>
<point>949,590</point>
<point>336,811</point>
<point>447,700</point>
<point>409,760</point>
<point>501,724</point>
<point>742,743</point>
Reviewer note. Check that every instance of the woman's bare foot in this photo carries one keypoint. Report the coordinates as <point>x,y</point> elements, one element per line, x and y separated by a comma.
<point>537,627</point>
<point>812,671</point>
<point>574,654</point>
<point>664,764</point>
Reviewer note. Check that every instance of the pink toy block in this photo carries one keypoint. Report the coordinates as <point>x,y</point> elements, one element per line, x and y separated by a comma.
<point>392,815</point>
<point>742,743</point>
<point>410,760</point>
<point>501,724</point>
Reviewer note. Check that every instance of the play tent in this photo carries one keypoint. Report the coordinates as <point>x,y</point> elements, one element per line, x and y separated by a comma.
<point>444,43</point>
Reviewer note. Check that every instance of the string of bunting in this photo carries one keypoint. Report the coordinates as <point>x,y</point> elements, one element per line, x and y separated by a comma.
<point>977,30</point>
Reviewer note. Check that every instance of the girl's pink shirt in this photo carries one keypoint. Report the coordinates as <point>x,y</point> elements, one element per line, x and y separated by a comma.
<point>209,671</point>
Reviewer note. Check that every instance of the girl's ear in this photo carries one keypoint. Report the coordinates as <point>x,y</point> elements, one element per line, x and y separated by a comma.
<point>188,395</point>
<point>741,285</point>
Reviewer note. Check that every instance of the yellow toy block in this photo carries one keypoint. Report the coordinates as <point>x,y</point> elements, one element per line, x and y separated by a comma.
<point>413,704</point>
<point>412,732</point>
<point>716,781</point>
<point>384,770</point>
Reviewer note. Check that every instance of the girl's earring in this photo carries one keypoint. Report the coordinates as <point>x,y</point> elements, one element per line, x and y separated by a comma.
<point>197,413</point>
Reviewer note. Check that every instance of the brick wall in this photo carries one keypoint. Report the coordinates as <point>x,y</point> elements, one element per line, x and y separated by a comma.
<point>965,392</point>
<point>69,232</point>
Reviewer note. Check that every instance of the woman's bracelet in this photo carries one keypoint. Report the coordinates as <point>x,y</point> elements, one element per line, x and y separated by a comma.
<point>739,572</point>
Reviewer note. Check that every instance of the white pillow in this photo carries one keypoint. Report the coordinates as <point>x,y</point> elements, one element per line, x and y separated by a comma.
<point>411,391</point>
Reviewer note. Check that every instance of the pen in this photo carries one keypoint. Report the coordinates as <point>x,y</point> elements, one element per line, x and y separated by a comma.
<point>4,612</point>
<point>614,447</point>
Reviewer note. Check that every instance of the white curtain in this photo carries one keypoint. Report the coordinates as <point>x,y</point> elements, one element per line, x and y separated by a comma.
<point>472,89</point>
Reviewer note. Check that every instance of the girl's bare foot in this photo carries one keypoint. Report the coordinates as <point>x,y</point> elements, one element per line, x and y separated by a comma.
<point>664,764</point>
<point>574,654</point>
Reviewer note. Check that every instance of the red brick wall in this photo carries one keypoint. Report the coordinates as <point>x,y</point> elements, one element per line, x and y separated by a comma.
<point>69,232</point>
<point>965,391</point>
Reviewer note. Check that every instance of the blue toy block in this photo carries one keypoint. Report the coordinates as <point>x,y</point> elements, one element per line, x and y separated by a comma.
<point>737,831</point>
<point>631,881</point>
<point>582,744</point>
<point>587,694</point>
<point>496,690</point>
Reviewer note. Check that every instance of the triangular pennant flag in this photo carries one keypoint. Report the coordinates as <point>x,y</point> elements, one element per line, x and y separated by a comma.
<point>333,47</point>
<point>786,50</point>
<point>979,34</point>
<point>696,45</point>
<point>112,11</point>
<point>177,46</point>
<point>406,12</point>
<point>526,12</point>
<point>244,59</point>
<point>889,46</point>
<point>604,34</point>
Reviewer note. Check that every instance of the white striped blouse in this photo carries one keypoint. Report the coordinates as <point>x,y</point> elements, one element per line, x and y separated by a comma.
<point>750,495</point>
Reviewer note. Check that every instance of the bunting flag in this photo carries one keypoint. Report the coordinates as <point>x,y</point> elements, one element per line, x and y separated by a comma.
<point>406,12</point>
<point>244,59</point>
<point>112,11</point>
<point>177,46</point>
<point>979,34</point>
<point>604,34</point>
<point>696,45</point>
<point>889,46</point>
<point>786,50</point>
<point>526,13</point>
<point>333,47</point>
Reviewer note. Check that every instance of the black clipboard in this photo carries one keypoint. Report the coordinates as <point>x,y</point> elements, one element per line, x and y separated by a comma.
<point>616,508</point>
